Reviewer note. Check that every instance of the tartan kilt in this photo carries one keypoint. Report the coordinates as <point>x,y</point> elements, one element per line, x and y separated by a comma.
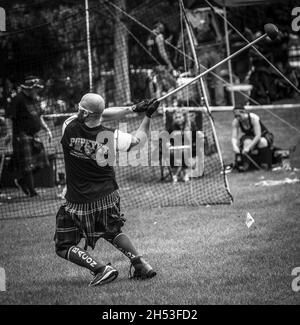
<point>88,220</point>
<point>27,155</point>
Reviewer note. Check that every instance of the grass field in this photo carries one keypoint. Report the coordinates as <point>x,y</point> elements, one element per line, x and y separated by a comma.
<point>203,255</point>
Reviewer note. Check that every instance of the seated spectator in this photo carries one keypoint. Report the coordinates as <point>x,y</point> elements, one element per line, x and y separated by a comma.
<point>255,149</point>
<point>179,168</point>
<point>256,140</point>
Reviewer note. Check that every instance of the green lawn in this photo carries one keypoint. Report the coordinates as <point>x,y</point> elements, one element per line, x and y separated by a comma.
<point>203,255</point>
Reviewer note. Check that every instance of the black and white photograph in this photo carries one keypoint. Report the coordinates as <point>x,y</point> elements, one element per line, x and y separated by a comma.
<point>149,155</point>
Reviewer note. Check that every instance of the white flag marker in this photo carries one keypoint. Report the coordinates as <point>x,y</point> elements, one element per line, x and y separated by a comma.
<point>249,220</point>
<point>2,279</point>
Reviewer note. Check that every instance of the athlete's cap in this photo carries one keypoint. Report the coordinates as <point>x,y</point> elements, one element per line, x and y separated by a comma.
<point>31,82</point>
<point>92,103</point>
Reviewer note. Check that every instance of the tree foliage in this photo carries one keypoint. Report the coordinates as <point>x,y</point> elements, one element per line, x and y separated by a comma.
<point>48,38</point>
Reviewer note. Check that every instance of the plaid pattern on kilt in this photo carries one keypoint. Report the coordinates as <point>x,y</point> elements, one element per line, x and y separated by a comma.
<point>28,157</point>
<point>88,220</point>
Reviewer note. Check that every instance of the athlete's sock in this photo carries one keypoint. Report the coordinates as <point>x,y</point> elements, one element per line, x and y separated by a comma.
<point>81,257</point>
<point>124,244</point>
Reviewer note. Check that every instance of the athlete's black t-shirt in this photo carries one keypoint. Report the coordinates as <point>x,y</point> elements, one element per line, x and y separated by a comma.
<point>86,180</point>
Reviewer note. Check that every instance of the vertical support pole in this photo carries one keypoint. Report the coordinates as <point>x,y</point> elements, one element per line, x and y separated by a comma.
<point>205,98</point>
<point>88,39</point>
<point>228,53</point>
<point>203,93</point>
<point>122,91</point>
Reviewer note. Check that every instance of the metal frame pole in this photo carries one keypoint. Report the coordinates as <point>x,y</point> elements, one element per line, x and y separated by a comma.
<point>88,39</point>
<point>205,97</point>
<point>228,53</point>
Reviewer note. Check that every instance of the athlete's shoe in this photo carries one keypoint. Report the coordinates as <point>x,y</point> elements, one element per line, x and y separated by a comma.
<point>109,274</point>
<point>142,269</point>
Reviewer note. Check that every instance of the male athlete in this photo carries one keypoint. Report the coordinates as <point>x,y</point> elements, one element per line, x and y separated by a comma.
<point>92,207</point>
<point>256,139</point>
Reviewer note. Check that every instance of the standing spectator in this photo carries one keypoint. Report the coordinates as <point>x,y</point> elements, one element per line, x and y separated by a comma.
<point>157,46</point>
<point>29,151</point>
<point>2,97</point>
<point>241,64</point>
<point>4,133</point>
<point>164,79</point>
<point>208,46</point>
<point>5,138</point>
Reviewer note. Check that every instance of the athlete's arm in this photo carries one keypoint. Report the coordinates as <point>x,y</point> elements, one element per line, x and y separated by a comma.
<point>141,135</point>
<point>117,113</point>
<point>128,141</point>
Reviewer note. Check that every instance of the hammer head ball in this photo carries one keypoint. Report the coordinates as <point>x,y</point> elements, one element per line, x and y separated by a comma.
<point>271,30</point>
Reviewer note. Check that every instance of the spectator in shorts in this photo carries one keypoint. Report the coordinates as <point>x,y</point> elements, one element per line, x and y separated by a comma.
<point>163,77</point>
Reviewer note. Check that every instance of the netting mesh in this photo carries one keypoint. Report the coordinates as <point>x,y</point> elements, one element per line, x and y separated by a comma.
<point>140,186</point>
<point>125,70</point>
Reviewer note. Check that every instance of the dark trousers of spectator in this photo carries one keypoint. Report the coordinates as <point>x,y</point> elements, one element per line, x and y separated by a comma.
<point>208,57</point>
<point>241,67</point>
